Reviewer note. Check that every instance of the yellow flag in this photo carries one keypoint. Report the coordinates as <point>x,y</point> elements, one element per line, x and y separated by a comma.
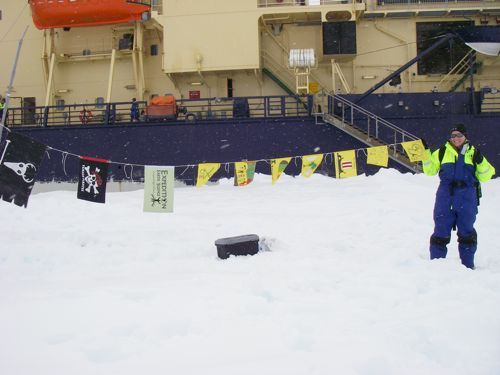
<point>243,173</point>
<point>310,163</point>
<point>278,166</point>
<point>415,150</point>
<point>378,156</point>
<point>345,164</point>
<point>205,171</point>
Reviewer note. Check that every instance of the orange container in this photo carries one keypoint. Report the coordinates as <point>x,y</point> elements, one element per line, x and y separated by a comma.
<point>162,107</point>
<point>163,100</point>
<point>50,14</point>
<point>167,111</point>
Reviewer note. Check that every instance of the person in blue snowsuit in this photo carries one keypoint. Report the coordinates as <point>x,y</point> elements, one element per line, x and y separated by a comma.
<point>134,110</point>
<point>461,168</point>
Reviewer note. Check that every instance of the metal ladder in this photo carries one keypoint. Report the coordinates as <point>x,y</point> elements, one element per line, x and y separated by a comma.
<point>369,128</point>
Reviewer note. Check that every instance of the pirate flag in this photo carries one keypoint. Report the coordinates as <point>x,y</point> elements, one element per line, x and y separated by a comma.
<point>19,163</point>
<point>93,175</point>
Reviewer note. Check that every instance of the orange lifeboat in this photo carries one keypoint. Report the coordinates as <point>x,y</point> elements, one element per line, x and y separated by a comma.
<point>50,14</point>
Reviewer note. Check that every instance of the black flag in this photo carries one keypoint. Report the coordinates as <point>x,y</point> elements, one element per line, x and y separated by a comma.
<point>92,179</point>
<point>19,163</point>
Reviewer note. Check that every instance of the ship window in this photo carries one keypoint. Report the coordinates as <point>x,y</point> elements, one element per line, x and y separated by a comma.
<point>444,58</point>
<point>99,102</point>
<point>60,103</point>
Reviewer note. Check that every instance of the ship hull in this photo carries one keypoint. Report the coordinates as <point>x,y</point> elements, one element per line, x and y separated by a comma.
<point>184,145</point>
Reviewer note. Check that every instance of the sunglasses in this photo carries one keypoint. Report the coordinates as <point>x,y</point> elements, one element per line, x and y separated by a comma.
<point>457,136</point>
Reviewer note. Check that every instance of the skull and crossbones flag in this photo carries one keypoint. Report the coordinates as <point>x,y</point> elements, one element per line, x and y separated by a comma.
<point>20,160</point>
<point>92,179</point>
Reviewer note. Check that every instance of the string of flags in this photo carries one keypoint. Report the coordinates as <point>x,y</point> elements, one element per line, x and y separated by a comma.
<point>22,156</point>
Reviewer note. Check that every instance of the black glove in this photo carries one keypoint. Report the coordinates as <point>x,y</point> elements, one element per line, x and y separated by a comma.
<point>424,143</point>
<point>477,158</point>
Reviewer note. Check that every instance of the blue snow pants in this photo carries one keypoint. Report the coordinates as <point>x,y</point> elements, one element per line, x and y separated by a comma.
<point>455,207</point>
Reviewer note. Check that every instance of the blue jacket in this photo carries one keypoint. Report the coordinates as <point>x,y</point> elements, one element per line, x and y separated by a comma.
<point>459,176</point>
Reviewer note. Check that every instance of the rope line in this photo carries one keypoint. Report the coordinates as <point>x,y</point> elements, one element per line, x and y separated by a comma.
<point>226,164</point>
<point>63,161</point>
<point>399,45</point>
<point>14,23</point>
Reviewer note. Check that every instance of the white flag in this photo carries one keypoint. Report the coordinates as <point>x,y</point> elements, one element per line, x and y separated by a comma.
<point>158,189</point>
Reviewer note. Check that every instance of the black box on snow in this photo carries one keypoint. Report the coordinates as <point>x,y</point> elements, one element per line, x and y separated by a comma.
<point>240,245</point>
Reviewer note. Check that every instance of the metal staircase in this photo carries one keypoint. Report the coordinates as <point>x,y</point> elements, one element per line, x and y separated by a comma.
<point>369,128</point>
<point>459,73</point>
<point>280,75</point>
<point>278,81</point>
<point>272,64</point>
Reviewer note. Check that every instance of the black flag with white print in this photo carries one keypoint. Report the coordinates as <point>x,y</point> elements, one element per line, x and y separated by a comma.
<point>20,160</point>
<point>93,175</point>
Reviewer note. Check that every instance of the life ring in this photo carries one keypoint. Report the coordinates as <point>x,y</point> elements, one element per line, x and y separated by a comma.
<point>86,116</point>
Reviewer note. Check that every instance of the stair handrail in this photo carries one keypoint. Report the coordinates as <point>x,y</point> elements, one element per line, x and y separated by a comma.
<point>405,135</point>
<point>354,128</point>
<point>283,75</point>
<point>457,69</point>
<point>372,115</point>
<point>278,69</point>
<point>285,50</point>
<point>341,75</point>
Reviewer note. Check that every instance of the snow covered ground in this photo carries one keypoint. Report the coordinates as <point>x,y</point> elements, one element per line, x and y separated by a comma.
<point>347,287</point>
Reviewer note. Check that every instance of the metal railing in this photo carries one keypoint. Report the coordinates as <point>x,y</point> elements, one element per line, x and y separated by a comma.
<point>462,67</point>
<point>413,2</point>
<point>245,107</point>
<point>283,67</point>
<point>279,69</point>
<point>490,100</point>
<point>190,110</point>
<point>291,3</point>
<point>370,124</point>
<point>157,6</point>
<point>75,114</point>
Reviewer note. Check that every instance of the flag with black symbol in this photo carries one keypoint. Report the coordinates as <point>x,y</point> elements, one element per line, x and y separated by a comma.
<point>415,150</point>
<point>19,163</point>
<point>345,164</point>
<point>93,175</point>
<point>205,172</point>
<point>158,189</point>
